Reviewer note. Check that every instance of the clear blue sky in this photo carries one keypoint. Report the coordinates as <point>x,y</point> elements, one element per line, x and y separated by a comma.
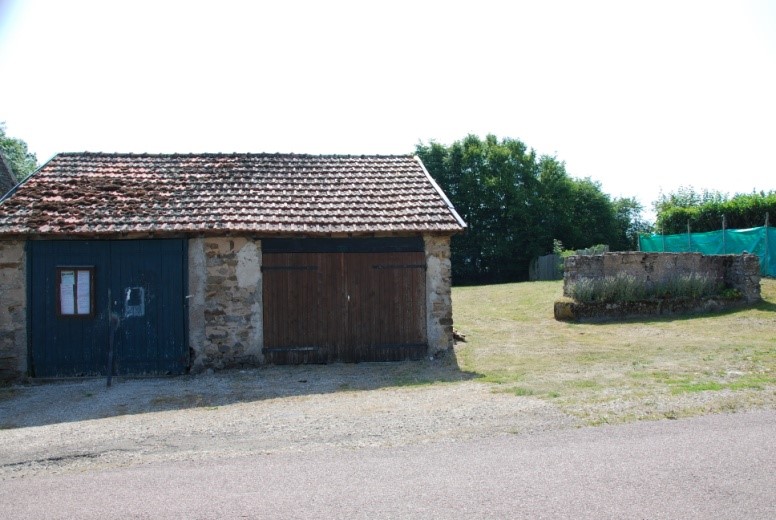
<point>640,96</point>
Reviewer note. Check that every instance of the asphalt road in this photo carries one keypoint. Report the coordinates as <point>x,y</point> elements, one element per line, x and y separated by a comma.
<point>720,466</point>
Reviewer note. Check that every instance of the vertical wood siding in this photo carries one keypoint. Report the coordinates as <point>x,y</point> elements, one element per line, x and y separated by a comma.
<point>321,307</point>
<point>149,343</point>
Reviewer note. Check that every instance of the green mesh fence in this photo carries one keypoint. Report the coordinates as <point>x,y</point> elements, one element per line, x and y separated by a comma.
<point>760,241</point>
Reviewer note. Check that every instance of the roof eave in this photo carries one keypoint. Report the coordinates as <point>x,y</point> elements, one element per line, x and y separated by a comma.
<point>441,193</point>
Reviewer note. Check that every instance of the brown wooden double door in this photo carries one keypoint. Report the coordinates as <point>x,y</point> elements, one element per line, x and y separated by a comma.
<point>322,307</point>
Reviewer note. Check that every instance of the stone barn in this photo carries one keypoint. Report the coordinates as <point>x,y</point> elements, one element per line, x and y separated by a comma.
<point>184,262</point>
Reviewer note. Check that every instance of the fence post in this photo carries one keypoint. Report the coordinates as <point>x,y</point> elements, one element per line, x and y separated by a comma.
<point>767,257</point>
<point>689,238</point>
<point>724,243</point>
<point>663,236</point>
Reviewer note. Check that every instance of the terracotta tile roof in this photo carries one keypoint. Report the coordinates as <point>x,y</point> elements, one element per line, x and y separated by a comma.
<point>109,194</point>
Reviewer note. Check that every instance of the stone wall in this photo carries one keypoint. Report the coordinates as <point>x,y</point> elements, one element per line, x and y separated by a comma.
<point>13,310</point>
<point>439,306</point>
<point>225,302</point>
<point>740,272</point>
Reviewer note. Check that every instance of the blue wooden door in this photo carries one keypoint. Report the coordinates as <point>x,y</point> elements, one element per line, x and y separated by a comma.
<point>70,311</point>
<point>73,344</point>
<point>148,293</point>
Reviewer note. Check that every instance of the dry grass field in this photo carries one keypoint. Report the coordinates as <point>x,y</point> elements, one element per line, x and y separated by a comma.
<point>618,372</point>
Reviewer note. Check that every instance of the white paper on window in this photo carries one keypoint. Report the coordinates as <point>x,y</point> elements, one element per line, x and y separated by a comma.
<point>84,292</point>
<point>66,283</point>
<point>134,303</point>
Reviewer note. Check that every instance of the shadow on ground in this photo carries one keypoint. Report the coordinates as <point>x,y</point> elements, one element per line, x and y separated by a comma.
<point>766,306</point>
<point>53,402</point>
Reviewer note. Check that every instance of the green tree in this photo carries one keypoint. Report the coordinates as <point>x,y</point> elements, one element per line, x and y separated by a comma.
<point>494,186</point>
<point>515,205</point>
<point>630,223</point>
<point>705,210</point>
<point>687,197</point>
<point>22,161</point>
<point>592,216</point>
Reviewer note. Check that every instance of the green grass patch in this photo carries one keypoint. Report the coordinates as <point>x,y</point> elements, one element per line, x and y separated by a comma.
<point>689,387</point>
<point>753,381</point>
<point>500,378</point>
<point>586,383</point>
<point>412,381</point>
<point>616,372</point>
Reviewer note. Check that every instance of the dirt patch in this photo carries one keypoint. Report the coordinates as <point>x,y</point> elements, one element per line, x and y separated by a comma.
<point>79,425</point>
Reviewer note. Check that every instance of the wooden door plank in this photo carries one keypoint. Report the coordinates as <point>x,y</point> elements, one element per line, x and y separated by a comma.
<point>292,309</point>
<point>358,306</point>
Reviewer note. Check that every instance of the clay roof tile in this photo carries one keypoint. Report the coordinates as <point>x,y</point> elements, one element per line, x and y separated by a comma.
<point>99,193</point>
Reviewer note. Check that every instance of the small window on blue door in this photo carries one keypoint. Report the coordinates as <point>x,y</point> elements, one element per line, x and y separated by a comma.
<point>134,302</point>
<point>75,292</point>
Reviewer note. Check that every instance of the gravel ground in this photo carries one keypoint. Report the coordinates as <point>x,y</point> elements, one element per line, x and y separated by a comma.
<point>73,426</point>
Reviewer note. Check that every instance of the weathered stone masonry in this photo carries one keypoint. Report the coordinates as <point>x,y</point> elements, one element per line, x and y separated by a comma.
<point>13,310</point>
<point>740,272</point>
<point>225,302</point>
<point>439,307</point>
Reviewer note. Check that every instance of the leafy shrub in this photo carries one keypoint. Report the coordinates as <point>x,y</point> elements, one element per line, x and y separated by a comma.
<point>626,288</point>
<point>584,290</point>
<point>692,286</point>
<point>622,288</point>
<point>704,210</point>
<point>731,294</point>
<point>597,249</point>
<point>558,249</point>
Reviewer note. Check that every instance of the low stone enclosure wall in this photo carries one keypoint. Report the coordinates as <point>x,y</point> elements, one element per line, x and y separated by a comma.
<point>738,275</point>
